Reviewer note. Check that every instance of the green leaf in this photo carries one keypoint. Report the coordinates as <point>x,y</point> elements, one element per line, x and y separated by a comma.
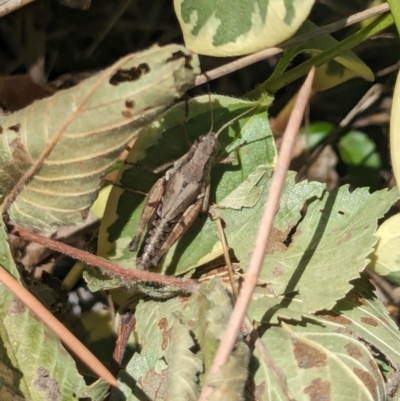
<point>184,366</point>
<point>237,27</point>
<point>362,315</point>
<point>303,271</point>
<point>316,364</point>
<point>357,333</point>
<point>229,382</point>
<point>33,362</point>
<point>89,125</point>
<point>178,340</point>
<point>315,133</point>
<point>362,158</point>
<point>343,67</point>
<point>98,334</point>
<point>162,142</point>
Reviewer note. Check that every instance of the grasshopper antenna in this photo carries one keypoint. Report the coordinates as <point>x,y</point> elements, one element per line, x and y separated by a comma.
<point>211,108</point>
<point>227,124</point>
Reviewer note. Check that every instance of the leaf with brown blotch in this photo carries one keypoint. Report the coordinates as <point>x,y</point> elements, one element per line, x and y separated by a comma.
<point>68,142</point>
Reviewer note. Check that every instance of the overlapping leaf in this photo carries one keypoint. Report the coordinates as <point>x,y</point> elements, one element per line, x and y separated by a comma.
<point>317,365</point>
<point>88,124</point>
<point>162,142</point>
<point>178,340</point>
<point>356,337</point>
<point>33,362</point>
<point>233,28</point>
<point>303,270</point>
<point>385,260</point>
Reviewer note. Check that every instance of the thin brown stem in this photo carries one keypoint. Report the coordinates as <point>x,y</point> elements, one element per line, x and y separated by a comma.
<point>289,138</point>
<point>227,258</point>
<point>127,323</point>
<point>187,286</point>
<point>260,346</point>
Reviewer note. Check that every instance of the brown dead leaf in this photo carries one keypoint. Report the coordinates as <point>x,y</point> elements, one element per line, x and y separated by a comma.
<point>18,91</point>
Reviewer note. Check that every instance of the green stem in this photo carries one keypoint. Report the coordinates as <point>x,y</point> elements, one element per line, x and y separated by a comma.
<point>361,36</point>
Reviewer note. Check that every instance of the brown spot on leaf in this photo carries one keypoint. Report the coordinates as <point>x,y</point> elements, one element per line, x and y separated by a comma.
<point>259,391</point>
<point>346,238</point>
<point>334,317</point>
<point>341,212</point>
<point>15,127</point>
<point>277,241</point>
<point>368,380</point>
<point>308,357</point>
<point>46,383</point>
<point>180,54</point>
<point>18,151</point>
<point>154,384</point>
<point>16,308</point>
<point>1,129</point>
<point>129,75</point>
<point>353,351</point>
<point>130,104</point>
<point>163,326</point>
<point>341,330</point>
<point>127,114</point>
<point>370,321</point>
<point>277,271</point>
<point>318,390</point>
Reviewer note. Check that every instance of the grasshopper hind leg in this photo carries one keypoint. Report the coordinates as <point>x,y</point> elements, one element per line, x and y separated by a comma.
<point>152,202</point>
<point>179,229</point>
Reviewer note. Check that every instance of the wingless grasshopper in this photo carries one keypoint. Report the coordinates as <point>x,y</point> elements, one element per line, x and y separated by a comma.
<point>177,198</point>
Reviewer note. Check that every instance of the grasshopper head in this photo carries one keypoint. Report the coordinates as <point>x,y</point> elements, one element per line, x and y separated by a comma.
<point>208,144</point>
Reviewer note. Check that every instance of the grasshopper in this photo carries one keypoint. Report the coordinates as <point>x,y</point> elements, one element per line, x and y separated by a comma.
<point>177,198</point>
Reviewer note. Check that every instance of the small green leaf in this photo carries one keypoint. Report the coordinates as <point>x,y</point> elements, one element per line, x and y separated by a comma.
<point>237,27</point>
<point>89,125</point>
<point>361,157</point>
<point>315,133</point>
